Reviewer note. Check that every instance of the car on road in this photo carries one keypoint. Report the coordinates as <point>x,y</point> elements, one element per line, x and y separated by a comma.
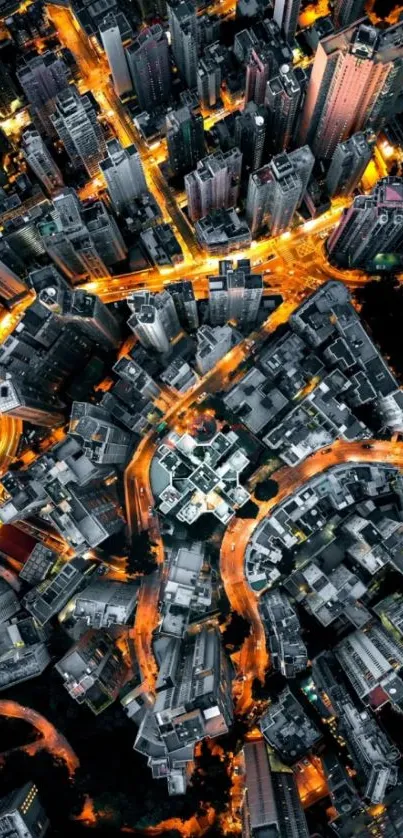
<point>232,547</point>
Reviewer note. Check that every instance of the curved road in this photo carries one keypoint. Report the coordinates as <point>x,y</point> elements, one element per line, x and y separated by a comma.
<point>253,658</point>
<point>51,740</point>
<point>10,433</point>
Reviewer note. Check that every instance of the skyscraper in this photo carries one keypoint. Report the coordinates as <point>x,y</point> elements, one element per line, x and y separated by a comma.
<point>112,44</point>
<point>75,122</point>
<point>284,97</point>
<point>271,806</point>
<point>355,81</point>
<point>42,78</point>
<point>105,233</point>
<point>183,296</point>
<point>12,288</point>
<point>259,66</point>
<point>235,294</point>
<point>21,814</point>
<point>185,138</point>
<point>84,310</point>
<point>286,14</point>
<point>276,190</point>
<point>8,93</point>
<point>149,67</point>
<point>346,12</point>
<point>370,231</point>
<point>208,82</point>
<point>250,135</point>
<point>154,319</point>
<point>41,161</point>
<point>101,440</point>
<point>30,403</point>
<point>214,183</point>
<point>124,175</point>
<point>183,28</point>
<point>348,165</point>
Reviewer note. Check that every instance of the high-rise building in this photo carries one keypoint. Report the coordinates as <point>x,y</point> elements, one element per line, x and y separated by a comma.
<point>105,233</point>
<point>250,135</point>
<point>183,28</point>
<point>259,67</point>
<point>12,288</point>
<point>93,670</point>
<point>355,83</point>
<point>214,183</point>
<point>212,344</point>
<point>42,78</point>
<point>348,165</point>
<point>276,191</point>
<point>113,46</point>
<point>105,602</point>
<point>149,66</point>
<point>185,138</point>
<point>84,310</point>
<point>235,294</point>
<point>29,403</point>
<point>287,648</point>
<point>183,296</point>
<point>101,440</point>
<point>208,82</point>
<point>154,319</point>
<point>21,814</point>
<point>284,97</point>
<point>286,14</point>
<point>271,805</point>
<point>8,94</point>
<point>124,175</point>
<point>41,161</point>
<point>343,793</point>
<point>371,660</point>
<point>346,12</point>
<point>370,234</point>
<point>9,604</point>
<point>75,122</point>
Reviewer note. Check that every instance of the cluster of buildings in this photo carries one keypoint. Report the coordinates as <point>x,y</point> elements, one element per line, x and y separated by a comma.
<point>308,384</point>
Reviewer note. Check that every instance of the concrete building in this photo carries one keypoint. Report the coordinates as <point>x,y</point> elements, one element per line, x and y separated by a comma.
<point>42,78</point>
<point>93,670</point>
<point>346,12</point>
<point>31,405</point>
<point>46,601</point>
<point>41,161</point>
<point>184,38</point>
<point>75,122</point>
<point>113,46</point>
<point>222,232</point>
<point>161,245</point>
<point>271,805</point>
<point>179,376</point>
<point>371,660</point>
<point>214,184</point>
<point>148,60</point>
<point>276,191</point>
<point>286,13</point>
<point>287,728</point>
<point>348,165</point>
<point>23,654</point>
<point>235,294</point>
<point>101,440</point>
<point>21,814</point>
<point>283,99</point>
<point>38,564</point>
<point>154,319</point>
<point>208,82</point>
<point>250,135</point>
<point>104,603</point>
<point>287,649</point>
<point>354,84</point>
<point>372,225</point>
<point>123,173</point>
<point>84,311</point>
<point>212,344</point>
<point>183,296</point>
<point>260,65</point>
<point>9,604</point>
<point>185,139</point>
